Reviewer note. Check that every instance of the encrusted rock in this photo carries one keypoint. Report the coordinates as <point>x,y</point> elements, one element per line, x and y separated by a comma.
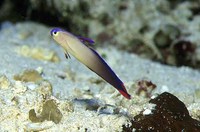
<point>169,114</point>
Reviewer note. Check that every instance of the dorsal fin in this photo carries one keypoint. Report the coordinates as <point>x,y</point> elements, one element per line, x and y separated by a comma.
<point>86,40</point>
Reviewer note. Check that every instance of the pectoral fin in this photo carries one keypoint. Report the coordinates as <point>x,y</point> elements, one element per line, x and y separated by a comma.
<point>67,55</point>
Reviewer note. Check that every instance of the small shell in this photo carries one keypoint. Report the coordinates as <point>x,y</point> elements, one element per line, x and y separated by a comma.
<point>39,126</point>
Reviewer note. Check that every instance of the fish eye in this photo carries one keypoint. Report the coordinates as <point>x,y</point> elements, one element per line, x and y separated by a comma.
<point>55,32</point>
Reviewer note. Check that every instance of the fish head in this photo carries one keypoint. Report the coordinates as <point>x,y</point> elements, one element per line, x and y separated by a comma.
<point>61,37</point>
<point>56,33</point>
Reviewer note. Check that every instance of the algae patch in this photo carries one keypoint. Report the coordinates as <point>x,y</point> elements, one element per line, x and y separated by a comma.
<point>38,53</point>
<point>28,76</point>
<point>50,112</point>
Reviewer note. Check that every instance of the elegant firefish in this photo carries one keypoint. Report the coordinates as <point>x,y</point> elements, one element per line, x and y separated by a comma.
<point>76,46</point>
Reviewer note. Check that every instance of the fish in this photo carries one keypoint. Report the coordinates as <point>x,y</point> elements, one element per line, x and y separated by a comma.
<point>76,46</point>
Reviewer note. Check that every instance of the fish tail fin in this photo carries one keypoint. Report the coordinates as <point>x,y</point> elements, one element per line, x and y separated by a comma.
<point>123,91</point>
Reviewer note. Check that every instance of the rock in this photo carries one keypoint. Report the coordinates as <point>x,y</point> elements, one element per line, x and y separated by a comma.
<point>169,114</point>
